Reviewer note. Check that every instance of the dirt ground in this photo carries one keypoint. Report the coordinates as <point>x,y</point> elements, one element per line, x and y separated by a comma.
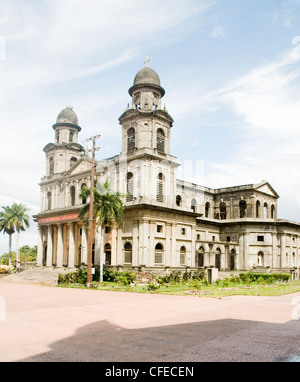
<point>49,324</point>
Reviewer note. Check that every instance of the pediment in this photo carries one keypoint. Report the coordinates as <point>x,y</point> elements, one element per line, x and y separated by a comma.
<point>81,166</point>
<point>266,188</point>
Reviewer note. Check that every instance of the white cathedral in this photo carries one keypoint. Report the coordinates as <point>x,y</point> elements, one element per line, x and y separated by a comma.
<point>168,223</point>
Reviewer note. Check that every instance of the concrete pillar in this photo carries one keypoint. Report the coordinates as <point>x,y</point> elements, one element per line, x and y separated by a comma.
<point>152,242</point>
<point>60,246</point>
<point>84,244</point>
<point>282,250</point>
<point>173,244</point>
<point>168,249</point>
<point>49,246</point>
<point>40,247</point>
<point>135,244</point>
<point>71,261</point>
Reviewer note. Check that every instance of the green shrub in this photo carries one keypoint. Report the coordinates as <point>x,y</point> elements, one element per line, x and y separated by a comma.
<point>153,286</point>
<point>264,277</point>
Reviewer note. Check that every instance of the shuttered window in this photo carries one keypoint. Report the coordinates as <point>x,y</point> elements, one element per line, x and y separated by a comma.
<point>160,188</point>
<point>160,141</point>
<point>129,197</point>
<point>130,139</point>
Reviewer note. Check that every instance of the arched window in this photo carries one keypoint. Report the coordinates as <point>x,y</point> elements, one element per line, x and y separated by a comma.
<point>243,207</point>
<point>265,211</point>
<point>218,259</point>
<point>71,135</point>
<point>159,250</point>
<point>107,252</point>
<point>232,259</point>
<point>83,199</point>
<point>49,200</point>
<point>193,205</point>
<point>128,253</point>
<point>182,255</point>
<point>160,141</point>
<point>207,207</point>
<point>51,166</point>
<point>178,200</point>
<point>223,212</point>
<point>72,195</point>
<point>160,188</point>
<point>200,257</point>
<point>131,139</point>
<point>73,160</point>
<point>129,197</point>
<point>294,260</point>
<point>258,209</point>
<point>273,211</point>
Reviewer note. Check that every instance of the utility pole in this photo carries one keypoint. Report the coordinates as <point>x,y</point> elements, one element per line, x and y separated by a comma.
<point>91,212</point>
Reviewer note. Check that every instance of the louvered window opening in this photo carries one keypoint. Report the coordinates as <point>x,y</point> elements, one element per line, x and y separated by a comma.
<point>131,140</point>
<point>160,141</point>
<point>160,189</point>
<point>129,197</point>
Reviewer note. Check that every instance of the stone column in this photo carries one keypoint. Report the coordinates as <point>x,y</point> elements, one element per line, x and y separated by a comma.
<point>71,262</point>
<point>173,246</point>
<point>49,246</point>
<point>282,250</point>
<point>84,244</point>
<point>245,254</point>
<point>40,247</point>
<point>168,251</point>
<point>152,243</point>
<point>60,246</point>
<point>135,244</point>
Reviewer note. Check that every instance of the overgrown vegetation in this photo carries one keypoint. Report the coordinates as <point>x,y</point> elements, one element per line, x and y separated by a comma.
<point>184,283</point>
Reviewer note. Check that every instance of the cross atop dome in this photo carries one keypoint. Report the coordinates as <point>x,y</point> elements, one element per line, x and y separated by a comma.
<point>148,59</point>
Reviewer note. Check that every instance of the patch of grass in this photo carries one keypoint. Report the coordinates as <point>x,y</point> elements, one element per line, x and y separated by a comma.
<point>198,288</point>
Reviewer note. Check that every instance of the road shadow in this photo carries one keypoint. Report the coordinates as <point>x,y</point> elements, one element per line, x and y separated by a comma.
<point>225,340</point>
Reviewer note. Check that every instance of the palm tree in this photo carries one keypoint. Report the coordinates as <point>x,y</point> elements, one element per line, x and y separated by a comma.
<point>108,210</point>
<point>14,219</point>
<point>20,221</point>
<point>6,226</point>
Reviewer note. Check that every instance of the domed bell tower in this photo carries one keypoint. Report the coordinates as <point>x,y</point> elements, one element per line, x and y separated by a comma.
<point>65,152</point>
<point>146,130</point>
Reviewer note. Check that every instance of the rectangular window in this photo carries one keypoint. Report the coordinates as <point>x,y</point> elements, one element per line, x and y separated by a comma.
<point>183,231</point>
<point>159,228</point>
<point>228,238</point>
<point>260,238</point>
<point>198,237</point>
<point>107,229</point>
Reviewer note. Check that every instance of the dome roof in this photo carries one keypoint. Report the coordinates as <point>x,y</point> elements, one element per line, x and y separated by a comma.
<point>147,76</point>
<point>67,116</point>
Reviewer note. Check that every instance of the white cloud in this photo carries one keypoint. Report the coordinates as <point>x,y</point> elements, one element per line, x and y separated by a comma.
<point>218,32</point>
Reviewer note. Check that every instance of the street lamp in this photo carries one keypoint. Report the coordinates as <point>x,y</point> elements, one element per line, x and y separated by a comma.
<point>91,213</point>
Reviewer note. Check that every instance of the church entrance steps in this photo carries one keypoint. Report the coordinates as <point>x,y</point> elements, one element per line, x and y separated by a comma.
<point>36,275</point>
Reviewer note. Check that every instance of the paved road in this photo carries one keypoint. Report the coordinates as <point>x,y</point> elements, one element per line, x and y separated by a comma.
<point>52,324</point>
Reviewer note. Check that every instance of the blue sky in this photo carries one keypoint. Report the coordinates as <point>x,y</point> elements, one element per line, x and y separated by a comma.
<point>230,70</point>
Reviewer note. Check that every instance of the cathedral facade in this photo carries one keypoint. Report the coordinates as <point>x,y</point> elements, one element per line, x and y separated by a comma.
<point>168,223</point>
